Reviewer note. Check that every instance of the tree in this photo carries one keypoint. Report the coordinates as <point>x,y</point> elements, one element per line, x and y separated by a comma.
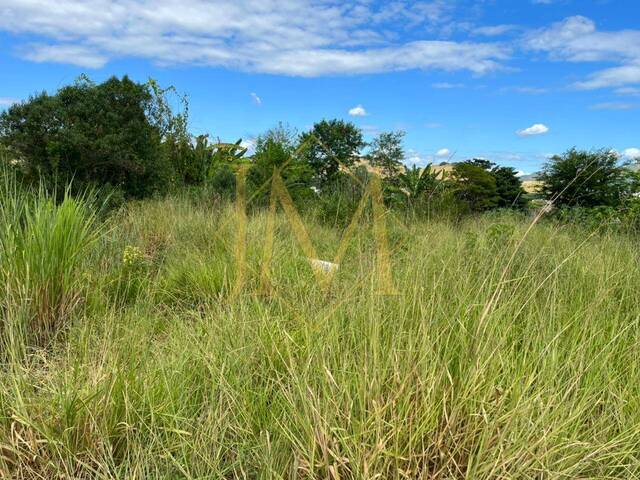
<point>509,188</point>
<point>275,152</point>
<point>91,133</point>
<point>585,179</point>
<point>475,186</point>
<point>388,154</point>
<point>508,185</point>
<point>327,146</point>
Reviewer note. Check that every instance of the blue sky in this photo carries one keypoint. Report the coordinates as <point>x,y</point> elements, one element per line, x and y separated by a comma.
<point>512,81</point>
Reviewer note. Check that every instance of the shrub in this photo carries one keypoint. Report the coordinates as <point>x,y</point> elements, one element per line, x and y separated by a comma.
<point>475,186</point>
<point>95,134</point>
<point>275,151</point>
<point>585,179</point>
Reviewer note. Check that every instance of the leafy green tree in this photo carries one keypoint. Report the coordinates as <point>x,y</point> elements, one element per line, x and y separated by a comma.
<point>276,151</point>
<point>509,188</point>
<point>585,179</point>
<point>508,185</point>
<point>92,133</point>
<point>327,146</point>
<point>475,186</point>
<point>387,154</point>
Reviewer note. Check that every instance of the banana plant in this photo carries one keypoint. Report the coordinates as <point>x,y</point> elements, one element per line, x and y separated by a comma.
<point>416,182</point>
<point>226,155</point>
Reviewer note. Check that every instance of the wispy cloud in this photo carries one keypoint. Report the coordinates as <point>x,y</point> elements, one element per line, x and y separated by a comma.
<point>256,99</point>
<point>7,101</point>
<point>526,90</point>
<point>443,153</point>
<point>576,39</point>
<point>615,106</point>
<point>535,129</point>
<point>296,38</point>
<point>447,85</point>
<point>628,91</point>
<point>494,30</point>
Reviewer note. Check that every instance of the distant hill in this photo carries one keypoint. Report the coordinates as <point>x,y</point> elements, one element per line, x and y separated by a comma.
<point>529,178</point>
<point>530,182</point>
<point>441,168</point>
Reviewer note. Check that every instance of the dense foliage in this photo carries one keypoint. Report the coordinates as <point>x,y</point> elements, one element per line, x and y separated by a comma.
<point>475,186</point>
<point>328,146</point>
<point>586,179</point>
<point>95,134</point>
<point>133,139</point>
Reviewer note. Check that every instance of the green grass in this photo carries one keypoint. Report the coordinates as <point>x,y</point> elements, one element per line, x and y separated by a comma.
<point>506,354</point>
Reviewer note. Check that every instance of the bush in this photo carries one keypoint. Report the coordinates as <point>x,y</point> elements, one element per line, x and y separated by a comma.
<point>96,134</point>
<point>339,200</point>
<point>275,152</point>
<point>586,179</point>
<point>475,186</point>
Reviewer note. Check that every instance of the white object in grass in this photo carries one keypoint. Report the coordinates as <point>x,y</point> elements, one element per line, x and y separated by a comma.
<point>326,267</point>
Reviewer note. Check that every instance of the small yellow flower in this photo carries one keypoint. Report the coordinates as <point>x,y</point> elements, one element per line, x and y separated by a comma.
<point>132,256</point>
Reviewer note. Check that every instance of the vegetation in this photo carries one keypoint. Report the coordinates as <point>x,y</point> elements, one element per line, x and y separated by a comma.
<point>329,145</point>
<point>475,186</point>
<point>586,179</point>
<point>388,154</point>
<point>160,337</point>
<point>95,134</point>
<point>502,355</point>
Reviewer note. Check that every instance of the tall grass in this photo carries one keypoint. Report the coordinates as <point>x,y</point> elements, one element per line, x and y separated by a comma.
<point>488,364</point>
<point>41,248</point>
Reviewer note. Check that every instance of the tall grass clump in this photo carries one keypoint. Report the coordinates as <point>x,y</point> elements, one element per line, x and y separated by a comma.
<point>42,246</point>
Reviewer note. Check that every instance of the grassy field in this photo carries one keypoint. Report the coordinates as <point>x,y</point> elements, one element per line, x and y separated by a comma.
<point>510,351</point>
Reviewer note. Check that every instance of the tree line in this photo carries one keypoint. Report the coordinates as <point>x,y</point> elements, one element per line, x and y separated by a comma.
<point>132,139</point>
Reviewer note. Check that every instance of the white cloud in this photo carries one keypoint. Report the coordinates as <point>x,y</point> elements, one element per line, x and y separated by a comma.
<point>614,106</point>
<point>612,77</point>
<point>576,39</point>
<point>416,158</point>
<point>358,111</point>
<point>7,101</point>
<point>526,90</point>
<point>79,55</point>
<point>443,152</point>
<point>628,91</point>
<point>249,144</point>
<point>494,30</point>
<point>296,37</point>
<point>631,153</point>
<point>256,99</point>
<point>535,129</point>
<point>446,85</point>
